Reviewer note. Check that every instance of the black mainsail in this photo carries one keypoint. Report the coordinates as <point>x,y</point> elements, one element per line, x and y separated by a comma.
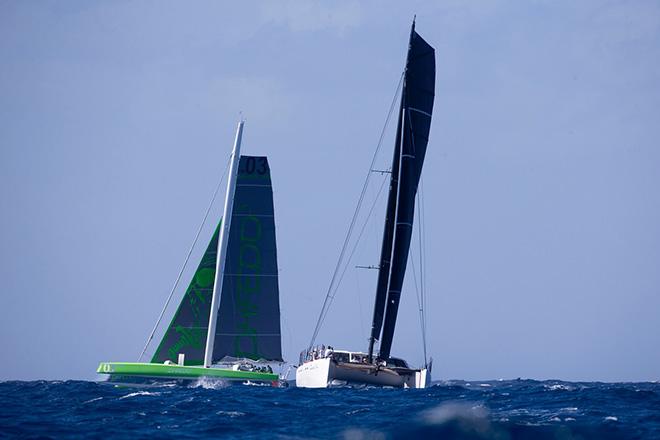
<point>249,313</point>
<point>410,148</point>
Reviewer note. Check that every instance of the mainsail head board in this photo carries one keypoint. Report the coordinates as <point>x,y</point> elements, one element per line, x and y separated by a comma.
<point>410,149</point>
<point>249,315</point>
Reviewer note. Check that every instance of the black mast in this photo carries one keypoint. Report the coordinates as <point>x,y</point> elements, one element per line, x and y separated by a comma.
<point>410,147</point>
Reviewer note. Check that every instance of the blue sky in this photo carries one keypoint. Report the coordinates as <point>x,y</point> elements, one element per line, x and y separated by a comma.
<point>540,184</point>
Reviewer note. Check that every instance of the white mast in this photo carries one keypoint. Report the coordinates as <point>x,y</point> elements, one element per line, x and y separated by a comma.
<point>222,245</point>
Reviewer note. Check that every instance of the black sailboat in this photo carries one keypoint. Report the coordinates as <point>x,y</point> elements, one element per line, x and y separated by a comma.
<point>412,134</point>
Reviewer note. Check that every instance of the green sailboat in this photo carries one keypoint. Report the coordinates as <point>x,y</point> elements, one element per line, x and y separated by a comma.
<point>227,325</point>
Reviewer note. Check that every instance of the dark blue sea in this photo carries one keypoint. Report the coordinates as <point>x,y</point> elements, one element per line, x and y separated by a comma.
<point>518,409</point>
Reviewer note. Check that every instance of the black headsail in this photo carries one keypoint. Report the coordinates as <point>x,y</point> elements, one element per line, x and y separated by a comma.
<point>249,314</point>
<point>410,148</point>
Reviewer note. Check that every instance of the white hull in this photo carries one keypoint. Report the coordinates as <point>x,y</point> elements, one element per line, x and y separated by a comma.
<point>323,373</point>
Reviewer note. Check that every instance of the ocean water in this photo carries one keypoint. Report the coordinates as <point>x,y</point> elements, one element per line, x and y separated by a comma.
<point>519,409</point>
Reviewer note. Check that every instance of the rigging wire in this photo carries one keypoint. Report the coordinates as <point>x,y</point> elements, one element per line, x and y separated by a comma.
<point>350,257</point>
<point>418,296</point>
<point>357,283</point>
<point>185,262</point>
<point>422,233</point>
<point>420,292</point>
<point>328,298</point>
<point>422,269</point>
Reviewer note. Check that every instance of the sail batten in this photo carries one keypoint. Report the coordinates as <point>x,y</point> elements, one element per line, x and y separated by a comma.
<point>410,149</point>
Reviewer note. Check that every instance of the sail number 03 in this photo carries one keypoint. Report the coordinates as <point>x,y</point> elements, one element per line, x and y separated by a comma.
<point>260,165</point>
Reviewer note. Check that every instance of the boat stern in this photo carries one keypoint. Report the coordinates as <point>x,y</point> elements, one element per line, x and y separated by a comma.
<point>418,379</point>
<point>314,374</point>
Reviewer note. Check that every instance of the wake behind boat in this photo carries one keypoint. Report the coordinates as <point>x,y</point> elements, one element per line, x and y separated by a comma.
<point>227,325</point>
<point>322,366</point>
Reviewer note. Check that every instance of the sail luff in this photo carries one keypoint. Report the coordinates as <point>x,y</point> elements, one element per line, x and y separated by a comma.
<point>388,235</point>
<point>222,246</point>
<point>401,241</point>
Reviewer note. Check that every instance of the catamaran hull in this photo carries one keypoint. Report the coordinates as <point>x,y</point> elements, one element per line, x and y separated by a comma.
<point>324,373</point>
<point>152,374</point>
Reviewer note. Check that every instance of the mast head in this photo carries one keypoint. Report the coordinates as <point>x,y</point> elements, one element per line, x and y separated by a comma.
<point>412,32</point>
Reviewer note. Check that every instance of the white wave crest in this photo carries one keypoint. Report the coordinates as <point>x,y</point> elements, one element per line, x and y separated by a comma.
<point>231,414</point>
<point>209,383</point>
<point>140,393</point>
<point>256,384</point>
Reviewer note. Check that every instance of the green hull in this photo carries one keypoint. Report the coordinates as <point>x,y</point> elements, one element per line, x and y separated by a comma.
<point>117,370</point>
